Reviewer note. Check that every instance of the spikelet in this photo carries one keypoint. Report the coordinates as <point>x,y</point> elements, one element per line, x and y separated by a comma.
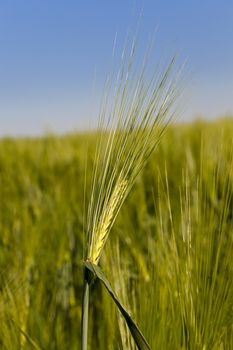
<point>106,220</point>
<point>131,126</point>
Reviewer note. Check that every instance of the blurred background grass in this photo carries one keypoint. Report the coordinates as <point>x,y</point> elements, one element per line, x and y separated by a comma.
<point>186,187</point>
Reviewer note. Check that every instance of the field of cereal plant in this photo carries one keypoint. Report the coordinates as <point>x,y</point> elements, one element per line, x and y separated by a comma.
<point>169,258</point>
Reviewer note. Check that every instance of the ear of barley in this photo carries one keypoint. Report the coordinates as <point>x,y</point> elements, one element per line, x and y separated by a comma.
<point>130,129</point>
<point>105,221</point>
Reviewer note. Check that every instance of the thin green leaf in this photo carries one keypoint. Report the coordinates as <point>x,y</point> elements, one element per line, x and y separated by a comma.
<point>26,336</point>
<point>135,331</point>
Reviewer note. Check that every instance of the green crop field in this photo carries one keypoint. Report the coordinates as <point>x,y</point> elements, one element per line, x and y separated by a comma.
<point>169,258</point>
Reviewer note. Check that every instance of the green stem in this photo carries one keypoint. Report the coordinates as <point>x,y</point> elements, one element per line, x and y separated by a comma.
<point>85,309</point>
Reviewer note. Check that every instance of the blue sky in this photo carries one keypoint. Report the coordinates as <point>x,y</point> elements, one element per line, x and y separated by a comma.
<point>51,52</point>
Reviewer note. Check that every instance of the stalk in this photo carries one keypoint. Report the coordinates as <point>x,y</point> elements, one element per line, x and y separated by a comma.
<point>85,309</point>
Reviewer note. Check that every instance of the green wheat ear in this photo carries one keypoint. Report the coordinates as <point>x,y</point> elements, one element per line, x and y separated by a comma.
<point>139,116</point>
<point>107,216</point>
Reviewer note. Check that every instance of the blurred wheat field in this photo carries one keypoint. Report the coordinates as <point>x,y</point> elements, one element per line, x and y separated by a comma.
<point>170,255</point>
